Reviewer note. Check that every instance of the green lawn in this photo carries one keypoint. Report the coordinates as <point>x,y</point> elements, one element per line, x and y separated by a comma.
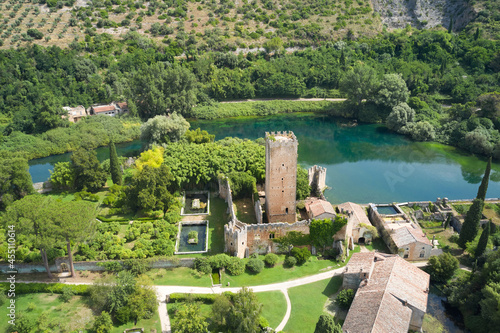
<point>273,306</point>
<point>379,245</point>
<point>180,276</point>
<point>216,221</point>
<point>245,211</point>
<point>308,303</point>
<point>73,316</point>
<point>281,274</point>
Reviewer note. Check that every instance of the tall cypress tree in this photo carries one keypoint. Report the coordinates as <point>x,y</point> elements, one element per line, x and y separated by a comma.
<point>481,192</point>
<point>483,240</point>
<point>116,172</point>
<point>471,224</point>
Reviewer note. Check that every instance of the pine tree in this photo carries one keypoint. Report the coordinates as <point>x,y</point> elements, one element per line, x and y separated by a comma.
<point>483,241</point>
<point>481,192</point>
<point>116,172</point>
<point>450,27</point>
<point>471,224</point>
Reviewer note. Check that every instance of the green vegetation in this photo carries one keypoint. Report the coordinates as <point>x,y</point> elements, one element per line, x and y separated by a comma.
<point>52,314</point>
<point>245,109</point>
<point>344,298</point>
<point>308,303</point>
<point>326,324</point>
<point>471,224</point>
<point>179,276</point>
<point>281,272</point>
<point>477,295</point>
<point>273,306</point>
<point>229,313</point>
<point>442,267</point>
<point>322,231</point>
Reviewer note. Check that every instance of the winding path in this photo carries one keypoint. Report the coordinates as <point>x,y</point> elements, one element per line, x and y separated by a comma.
<point>163,291</point>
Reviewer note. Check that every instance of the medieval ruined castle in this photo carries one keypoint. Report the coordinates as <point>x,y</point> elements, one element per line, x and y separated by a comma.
<point>243,239</point>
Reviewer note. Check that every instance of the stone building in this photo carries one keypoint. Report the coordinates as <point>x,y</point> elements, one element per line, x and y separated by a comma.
<point>402,236</point>
<point>391,294</point>
<point>281,176</point>
<point>74,114</point>
<point>356,231</point>
<point>317,178</point>
<point>319,209</point>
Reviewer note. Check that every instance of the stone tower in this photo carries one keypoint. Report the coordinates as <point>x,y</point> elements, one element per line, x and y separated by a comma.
<point>281,176</point>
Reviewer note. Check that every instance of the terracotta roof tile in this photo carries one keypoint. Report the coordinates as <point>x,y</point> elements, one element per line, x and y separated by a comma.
<point>379,304</point>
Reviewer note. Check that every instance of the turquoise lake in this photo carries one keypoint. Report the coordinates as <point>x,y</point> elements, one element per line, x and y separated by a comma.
<point>364,164</point>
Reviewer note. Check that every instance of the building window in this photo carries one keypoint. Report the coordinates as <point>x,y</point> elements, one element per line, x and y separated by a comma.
<point>286,210</point>
<point>283,164</point>
<point>242,243</point>
<point>406,255</point>
<point>422,254</point>
<point>231,243</point>
<point>271,235</point>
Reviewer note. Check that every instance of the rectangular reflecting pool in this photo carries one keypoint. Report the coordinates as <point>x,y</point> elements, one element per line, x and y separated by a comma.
<point>387,210</point>
<point>201,227</point>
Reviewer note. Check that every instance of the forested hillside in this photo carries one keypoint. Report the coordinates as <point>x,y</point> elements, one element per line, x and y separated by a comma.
<point>436,67</point>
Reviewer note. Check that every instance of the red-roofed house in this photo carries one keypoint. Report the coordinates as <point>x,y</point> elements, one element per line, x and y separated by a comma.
<point>319,209</point>
<point>391,294</point>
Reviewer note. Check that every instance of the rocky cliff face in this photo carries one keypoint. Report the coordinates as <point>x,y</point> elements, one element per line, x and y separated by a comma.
<point>424,13</point>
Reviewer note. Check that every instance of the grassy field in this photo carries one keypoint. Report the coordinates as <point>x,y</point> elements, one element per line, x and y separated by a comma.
<point>378,245</point>
<point>308,303</point>
<point>74,316</point>
<point>281,274</point>
<point>242,24</point>
<point>180,276</point>
<point>273,306</point>
<point>216,221</point>
<point>245,211</point>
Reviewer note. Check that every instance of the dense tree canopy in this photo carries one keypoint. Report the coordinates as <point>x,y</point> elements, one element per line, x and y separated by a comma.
<point>15,180</point>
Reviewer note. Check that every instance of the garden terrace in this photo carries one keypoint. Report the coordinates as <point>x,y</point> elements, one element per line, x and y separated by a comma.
<point>196,203</point>
<point>183,244</point>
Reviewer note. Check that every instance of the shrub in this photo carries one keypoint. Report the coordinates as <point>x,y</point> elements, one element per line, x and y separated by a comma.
<point>442,267</point>
<point>203,265</point>
<point>235,266</point>
<point>271,259</point>
<point>57,288</point>
<point>219,260</point>
<point>290,261</point>
<point>301,254</point>
<point>32,306</point>
<point>67,294</point>
<point>103,323</point>
<point>204,298</point>
<point>136,266</point>
<point>111,266</point>
<point>255,265</point>
<point>454,238</point>
<point>35,33</point>
<point>344,298</point>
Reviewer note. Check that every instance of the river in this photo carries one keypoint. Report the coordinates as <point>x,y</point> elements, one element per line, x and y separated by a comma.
<point>365,163</point>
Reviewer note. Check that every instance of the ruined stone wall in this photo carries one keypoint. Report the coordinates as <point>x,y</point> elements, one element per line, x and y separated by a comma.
<point>317,178</point>
<point>281,176</point>
<point>377,221</point>
<point>258,212</point>
<point>260,236</point>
